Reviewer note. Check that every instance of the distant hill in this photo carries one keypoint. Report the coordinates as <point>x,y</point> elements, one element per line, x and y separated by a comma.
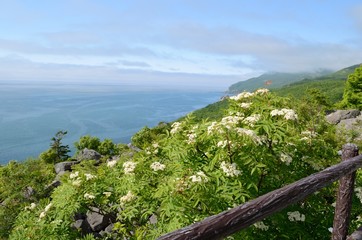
<point>332,85</point>
<point>273,80</point>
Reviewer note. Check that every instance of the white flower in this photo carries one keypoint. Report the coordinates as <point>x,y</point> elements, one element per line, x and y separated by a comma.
<point>242,95</point>
<point>230,169</point>
<point>107,194</point>
<point>288,114</point>
<point>199,177</point>
<point>155,145</point>
<point>192,138</point>
<point>222,144</point>
<point>111,163</point>
<point>212,127</point>
<point>42,215</point>
<point>77,182</point>
<point>129,167</point>
<point>260,225</point>
<point>127,198</point>
<point>245,105</point>
<point>296,216</point>
<point>286,159</point>
<point>89,176</point>
<point>230,121</point>
<point>31,207</point>
<point>74,175</point>
<point>157,166</point>
<point>309,134</point>
<point>176,126</point>
<point>358,191</point>
<point>89,196</point>
<point>262,91</point>
<point>330,229</point>
<point>48,207</point>
<point>252,119</point>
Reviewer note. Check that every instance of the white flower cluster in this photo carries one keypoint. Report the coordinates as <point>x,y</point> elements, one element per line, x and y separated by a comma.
<point>107,194</point>
<point>77,180</point>
<point>31,207</point>
<point>252,119</point>
<point>242,96</point>
<point>89,196</point>
<point>199,177</point>
<point>285,158</point>
<point>89,176</point>
<point>157,166</point>
<point>230,169</point>
<point>176,126</point>
<point>111,163</point>
<point>46,209</point>
<point>127,198</point>
<point>262,91</point>
<point>191,138</point>
<point>213,126</point>
<point>74,175</point>
<point>230,121</point>
<point>308,135</point>
<point>153,149</point>
<point>245,105</point>
<point>260,225</point>
<point>288,114</point>
<point>129,167</point>
<point>296,216</point>
<point>358,191</point>
<point>223,144</point>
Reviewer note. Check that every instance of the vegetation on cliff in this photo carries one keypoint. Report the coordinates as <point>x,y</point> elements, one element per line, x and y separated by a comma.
<point>176,174</point>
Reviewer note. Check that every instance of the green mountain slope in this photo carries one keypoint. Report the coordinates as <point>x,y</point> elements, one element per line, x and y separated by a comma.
<point>272,80</point>
<point>332,85</point>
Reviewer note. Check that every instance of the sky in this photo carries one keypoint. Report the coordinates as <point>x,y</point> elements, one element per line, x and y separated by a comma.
<point>197,43</point>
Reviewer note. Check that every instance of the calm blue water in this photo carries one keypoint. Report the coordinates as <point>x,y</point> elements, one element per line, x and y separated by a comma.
<point>30,114</point>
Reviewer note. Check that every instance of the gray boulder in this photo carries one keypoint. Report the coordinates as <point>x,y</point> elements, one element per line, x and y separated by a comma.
<point>88,154</point>
<point>98,221</point>
<point>339,115</point>
<point>64,166</point>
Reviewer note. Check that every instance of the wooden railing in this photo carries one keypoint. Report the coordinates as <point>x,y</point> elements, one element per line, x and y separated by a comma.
<point>241,217</point>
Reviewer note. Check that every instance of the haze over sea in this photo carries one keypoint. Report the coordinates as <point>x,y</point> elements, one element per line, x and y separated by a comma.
<point>31,113</point>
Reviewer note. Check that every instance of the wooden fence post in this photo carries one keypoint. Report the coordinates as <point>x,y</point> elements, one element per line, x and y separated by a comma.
<point>344,196</point>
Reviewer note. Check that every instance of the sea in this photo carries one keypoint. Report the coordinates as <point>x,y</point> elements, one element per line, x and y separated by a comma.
<point>31,113</point>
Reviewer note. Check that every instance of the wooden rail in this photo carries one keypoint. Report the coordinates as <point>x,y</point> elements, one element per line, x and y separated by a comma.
<point>241,217</point>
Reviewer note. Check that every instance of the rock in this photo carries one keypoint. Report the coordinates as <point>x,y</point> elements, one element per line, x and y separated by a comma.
<point>134,148</point>
<point>88,154</point>
<point>83,226</point>
<point>29,192</point>
<point>61,167</point>
<point>153,219</point>
<point>337,116</point>
<point>98,221</point>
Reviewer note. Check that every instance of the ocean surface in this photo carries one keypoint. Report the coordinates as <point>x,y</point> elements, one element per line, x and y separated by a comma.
<point>31,113</point>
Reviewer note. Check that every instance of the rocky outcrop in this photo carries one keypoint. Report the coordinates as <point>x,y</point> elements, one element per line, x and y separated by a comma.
<point>349,123</point>
<point>88,154</point>
<point>95,222</point>
<point>339,115</point>
<point>62,167</point>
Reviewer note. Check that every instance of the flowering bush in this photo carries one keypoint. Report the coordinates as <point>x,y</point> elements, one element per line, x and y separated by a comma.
<point>194,170</point>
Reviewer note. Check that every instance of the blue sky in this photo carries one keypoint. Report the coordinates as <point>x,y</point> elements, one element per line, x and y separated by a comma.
<point>173,42</point>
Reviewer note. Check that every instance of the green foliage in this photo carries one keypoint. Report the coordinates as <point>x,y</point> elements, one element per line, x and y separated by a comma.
<point>106,147</point>
<point>352,96</point>
<point>14,179</point>
<point>57,151</point>
<point>146,136</point>
<point>87,142</point>
<point>196,168</point>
